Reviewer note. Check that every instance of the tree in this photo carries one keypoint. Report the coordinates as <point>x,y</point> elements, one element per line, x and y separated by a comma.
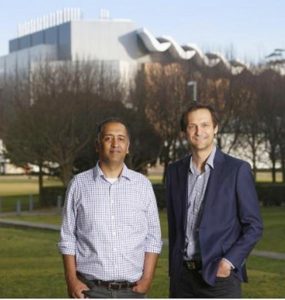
<point>270,87</point>
<point>24,140</point>
<point>251,134</point>
<point>163,99</point>
<point>58,126</point>
<point>61,117</point>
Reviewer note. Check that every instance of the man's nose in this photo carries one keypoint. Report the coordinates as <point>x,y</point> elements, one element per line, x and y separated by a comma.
<point>114,142</point>
<point>198,130</point>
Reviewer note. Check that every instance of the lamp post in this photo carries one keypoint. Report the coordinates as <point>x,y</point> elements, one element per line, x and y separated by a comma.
<point>193,84</point>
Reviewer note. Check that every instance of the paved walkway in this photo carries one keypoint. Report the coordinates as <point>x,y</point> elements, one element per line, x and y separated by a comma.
<point>42,226</point>
<point>24,224</point>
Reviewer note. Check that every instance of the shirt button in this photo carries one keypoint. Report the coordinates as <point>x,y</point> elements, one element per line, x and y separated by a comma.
<point>113,233</point>
<point>115,249</point>
<point>112,217</point>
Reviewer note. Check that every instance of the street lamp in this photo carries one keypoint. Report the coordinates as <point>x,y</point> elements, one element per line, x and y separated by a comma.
<point>194,85</point>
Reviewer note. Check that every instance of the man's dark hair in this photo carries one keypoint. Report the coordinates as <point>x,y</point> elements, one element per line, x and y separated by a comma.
<point>111,120</point>
<point>194,107</point>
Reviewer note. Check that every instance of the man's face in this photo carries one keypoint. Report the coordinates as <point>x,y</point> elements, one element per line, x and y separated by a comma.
<point>200,130</point>
<point>113,144</point>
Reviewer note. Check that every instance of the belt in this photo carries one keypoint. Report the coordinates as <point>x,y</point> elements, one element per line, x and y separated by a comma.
<point>114,285</point>
<point>193,264</point>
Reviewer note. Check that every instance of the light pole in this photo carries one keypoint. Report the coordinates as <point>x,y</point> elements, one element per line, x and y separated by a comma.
<point>194,85</point>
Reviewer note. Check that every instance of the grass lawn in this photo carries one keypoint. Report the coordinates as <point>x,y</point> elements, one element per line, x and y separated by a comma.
<point>32,268</point>
<point>33,254</point>
<point>23,185</point>
<point>274,229</point>
<point>273,218</point>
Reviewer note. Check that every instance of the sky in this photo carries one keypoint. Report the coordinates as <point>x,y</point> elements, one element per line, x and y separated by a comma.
<point>249,29</point>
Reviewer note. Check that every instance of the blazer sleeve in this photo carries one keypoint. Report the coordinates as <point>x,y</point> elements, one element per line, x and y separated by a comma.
<point>249,217</point>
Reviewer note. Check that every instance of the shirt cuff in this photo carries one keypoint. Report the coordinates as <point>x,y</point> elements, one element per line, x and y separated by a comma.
<point>226,260</point>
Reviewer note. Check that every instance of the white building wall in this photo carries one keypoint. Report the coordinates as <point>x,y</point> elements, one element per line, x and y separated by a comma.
<point>105,40</point>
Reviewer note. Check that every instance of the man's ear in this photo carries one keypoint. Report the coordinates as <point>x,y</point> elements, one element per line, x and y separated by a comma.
<point>182,134</point>
<point>216,129</point>
<point>128,149</point>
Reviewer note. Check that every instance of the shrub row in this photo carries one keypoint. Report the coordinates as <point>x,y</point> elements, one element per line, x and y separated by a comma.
<point>269,194</point>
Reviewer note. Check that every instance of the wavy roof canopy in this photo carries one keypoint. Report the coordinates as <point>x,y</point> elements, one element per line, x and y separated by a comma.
<point>151,43</point>
<point>188,52</point>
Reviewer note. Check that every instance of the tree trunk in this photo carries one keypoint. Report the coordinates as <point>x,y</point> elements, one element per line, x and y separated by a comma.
<point>254,167</point>
<point>283,166</point>
<point>273,170</point>
<point>166,163</point>
<point>66,173</point>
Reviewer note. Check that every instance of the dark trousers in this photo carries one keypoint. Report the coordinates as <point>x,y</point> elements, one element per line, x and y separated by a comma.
<point>103,292</point>
<point>192,285</point>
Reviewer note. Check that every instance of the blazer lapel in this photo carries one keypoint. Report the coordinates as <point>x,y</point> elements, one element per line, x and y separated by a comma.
<point>183,182</point>
<point>214,179</point>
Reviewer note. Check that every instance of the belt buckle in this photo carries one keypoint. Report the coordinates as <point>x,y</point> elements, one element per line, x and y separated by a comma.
<point>192,265</point>
<point>114,285</point>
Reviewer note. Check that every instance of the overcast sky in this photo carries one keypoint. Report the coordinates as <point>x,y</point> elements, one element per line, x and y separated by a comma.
<point>251,28</point>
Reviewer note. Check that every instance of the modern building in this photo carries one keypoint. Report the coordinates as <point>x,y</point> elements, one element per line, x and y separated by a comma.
<point>66,36</point>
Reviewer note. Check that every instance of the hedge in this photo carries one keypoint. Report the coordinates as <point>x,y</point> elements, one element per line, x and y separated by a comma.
<point>269,194</point>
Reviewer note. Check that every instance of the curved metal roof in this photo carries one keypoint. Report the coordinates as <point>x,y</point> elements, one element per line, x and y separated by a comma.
<point>167,44</point>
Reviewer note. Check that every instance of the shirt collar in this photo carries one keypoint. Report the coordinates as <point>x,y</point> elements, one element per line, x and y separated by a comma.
<point>209,162</point>
<point>126,172</point>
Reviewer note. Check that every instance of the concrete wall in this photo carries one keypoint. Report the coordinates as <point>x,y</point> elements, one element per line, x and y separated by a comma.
<point>105,40</point>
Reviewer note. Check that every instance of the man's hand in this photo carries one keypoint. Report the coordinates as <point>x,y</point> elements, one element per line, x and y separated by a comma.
<point>224,269</point>
<point>75,288</point>
<point>142,286</point>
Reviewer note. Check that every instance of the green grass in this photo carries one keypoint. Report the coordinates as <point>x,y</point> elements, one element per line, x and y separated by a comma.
<point>266,278</point>
<point>23,185</point>
<point>266,176</point>
<point>274,229</point>
<point>273,218</point>
<point>32,268</point>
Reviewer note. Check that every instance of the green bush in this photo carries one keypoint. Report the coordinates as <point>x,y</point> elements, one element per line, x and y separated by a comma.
<point>50,195</point>
<point>271,194</point>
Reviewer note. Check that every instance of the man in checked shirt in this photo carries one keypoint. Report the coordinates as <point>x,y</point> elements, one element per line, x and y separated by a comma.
<point>110,235</point>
